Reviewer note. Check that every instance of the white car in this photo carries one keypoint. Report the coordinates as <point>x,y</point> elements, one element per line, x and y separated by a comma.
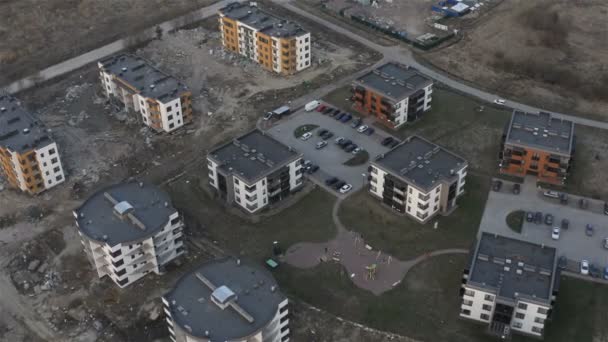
<point>584,267</point>
<point>362,128</point>
<point>551,193</point>
<point>345,188</point>
<point>357,150</point>
<point>555,233</point>
<point>339,140</point>
<point>500,102</point>
<point>306,136</point>
<point>310,106</point>
<point>321,144</point>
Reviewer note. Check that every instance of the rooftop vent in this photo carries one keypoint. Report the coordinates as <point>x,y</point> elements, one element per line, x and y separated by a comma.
<point>124,69</point>
<point>123,208</point>
<point>223,295</point>
<point>26,131</point>
<point>152,86</point>
<point>3,109</point>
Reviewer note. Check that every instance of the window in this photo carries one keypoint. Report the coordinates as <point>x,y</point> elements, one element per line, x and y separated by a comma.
<point>54,161</point>
<point>171,125</point>
<point>522,306</point>
<point>121,272</point>
<point>236,181</point>
<point>58,178</point>
<point>123,282</point>
<point>56,169</point>
<point>466,312</point>
<point>467,302</point>
<point>170,117</point>
<point>487,307</point>
<point>539,320</point>
<point>470,293</point>
<point>542,311</point>
<point>485,317</point>
<point>519,315</point>
<point>115,254</point>
<point>51,152</point>
<point>175,221</point>
<point>489,298</point>
<point>537,330</point>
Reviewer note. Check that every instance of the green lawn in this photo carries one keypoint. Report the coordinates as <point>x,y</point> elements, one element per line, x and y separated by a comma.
<point>515,220</point>
<point>405,238</point>
<point>298,132</point>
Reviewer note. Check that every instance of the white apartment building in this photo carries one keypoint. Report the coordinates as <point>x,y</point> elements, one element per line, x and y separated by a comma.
<point>161,101</point>
<point>510,285</point>
<point>29,158</point>
<point>276,44</point>
<point>254,171</point>
<point>227,300</point>
<point>394,93</point>
<point>418,178</point>
<point>129,230</point>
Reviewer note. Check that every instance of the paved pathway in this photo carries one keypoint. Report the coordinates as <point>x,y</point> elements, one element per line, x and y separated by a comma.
<point>350,250</point>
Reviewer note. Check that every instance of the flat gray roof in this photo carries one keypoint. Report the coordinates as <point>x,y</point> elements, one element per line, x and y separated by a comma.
<point>98,217</point>
<point>420,162</point>
<point>252,156</point>
<point>139,73</point>
<point>514,268</point>
<point>262,21</point>
<point>541,131</point>
<point>193,310</point>
<point>394,80</point>
<point>19,130</point>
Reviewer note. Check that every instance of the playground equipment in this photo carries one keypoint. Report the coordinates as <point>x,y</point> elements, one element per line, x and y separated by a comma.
<point>371,271</point>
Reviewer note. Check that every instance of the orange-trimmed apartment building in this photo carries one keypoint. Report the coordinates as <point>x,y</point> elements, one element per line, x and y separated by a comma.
<point>165,103</point>
<point>29,158</point>
<point>277,45</point>
<point>539,145</point>
<point>394,93</point>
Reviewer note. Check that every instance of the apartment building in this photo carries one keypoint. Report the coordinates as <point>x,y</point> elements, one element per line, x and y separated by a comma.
<point>254,170</point>
<point>29,157</point>
<point>539,145</point>
<point>394,93</point>
<point>227,300</point>
<point>510,286</point>
<point>129,230</point>
<point>278,45</point>
<point>418,178</point>
<point>164,103</point>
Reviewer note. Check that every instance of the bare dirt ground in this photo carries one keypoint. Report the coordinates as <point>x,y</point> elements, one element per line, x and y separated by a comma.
<point>36,34</point>
<point>548,53</point>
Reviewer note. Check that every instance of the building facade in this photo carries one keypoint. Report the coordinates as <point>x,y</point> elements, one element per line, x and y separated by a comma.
<point>129,230</point>
<point>254,171</point>
<point>161,101</point>
<point>277,45</point>
<point>394,93</point>
<point>227,300</point>
<point>29,157</point>
<point>539,145</point>
<point>418,178</point>
<point>510,286</point>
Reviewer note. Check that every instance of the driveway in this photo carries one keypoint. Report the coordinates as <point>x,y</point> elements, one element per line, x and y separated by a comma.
<point>573,243</point>
<point>331,158</point>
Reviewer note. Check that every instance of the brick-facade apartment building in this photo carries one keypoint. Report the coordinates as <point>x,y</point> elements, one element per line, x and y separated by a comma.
<point>418,178</point>
<point>164,103</point>
<point>276,44</point>
<point>227,300</point>
<point>29,157</point>
<point>510,286</point>
<point>254,170</point>
<point>394,93</point>
<point>538,144</point>
<point>129,230</point>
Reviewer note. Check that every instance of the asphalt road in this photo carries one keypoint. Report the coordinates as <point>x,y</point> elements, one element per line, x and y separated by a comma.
<point>404,55</point>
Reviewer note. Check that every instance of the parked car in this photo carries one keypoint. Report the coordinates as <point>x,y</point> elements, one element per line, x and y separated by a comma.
<point>346,118</point>
<point>306,164</point>
<point>339,116</point>
<point>328,110</point>
<point>310,106</point>
<point>357,150</point>
<point>583,203</point>
<point>350,148</point>
<point>306,136</point>
<point>563,198</point>
<point>538,217</point>
<point>496,185</point>
<point>321,144</point>
<point>565,223</point>
<point>322,131</point>
<point>331,181</point>
<point>594,271</point>
<point>589,230</point>
<point>345,188</point>
<point>387,141</point>
<point>339,185</point>
<point>529,216</point>
<point>339,140</point>
<point>335,112</point>
<point>500,102</point>
<point>394,143</point>
<point>562,262</point>
<point>312,169</point>
<point>606,273</point>
<point>362,128</point>
<point>555,233</point>
<point>516,188</point>
<point>321,108</point>
<point>605,243</point>
<point>584,267</point>
<point>369,131</point>
<point>548,219</point>
<point>327,135</point>
<point>356,123</point>
<point>344,143</point>
<point>551,193</point>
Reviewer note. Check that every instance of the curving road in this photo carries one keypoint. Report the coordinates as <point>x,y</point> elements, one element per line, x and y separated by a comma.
<point>404,55</point>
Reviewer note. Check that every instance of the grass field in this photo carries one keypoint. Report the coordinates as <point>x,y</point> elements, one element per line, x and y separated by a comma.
<point>515,220</point>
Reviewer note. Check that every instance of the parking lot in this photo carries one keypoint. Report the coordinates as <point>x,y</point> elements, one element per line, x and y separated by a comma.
<point>573,243</point>
<point>332,157</point>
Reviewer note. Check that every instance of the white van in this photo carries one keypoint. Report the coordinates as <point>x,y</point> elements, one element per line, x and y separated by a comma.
<point>312,105</point>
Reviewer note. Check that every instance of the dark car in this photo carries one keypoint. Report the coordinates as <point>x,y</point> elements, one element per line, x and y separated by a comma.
<point>350,148</point>
<point>589,230</point>
<point>563,198</point>
<point>538,217</point>
<point>497,185</point>
<point>548,219</point>
<point>565,223</point>
<point>344,142</point>
<point>516,188</point>
<point>339,116</point>
<point>369,131</point>
<point>328,110</point>
<point>331,181</point>
<point>387,141</point>
<point>346,118</point>
<point>394,143</point>
<point>327,135</point>
<point>322,131</point>
<point>594,271</point>
<point>562,262</point>
<point>583,203</point>
<point>339,185</point>
<point>356,123</point>
<point>312,169</point>
<point>335,112</point>
<point>529,216</point>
